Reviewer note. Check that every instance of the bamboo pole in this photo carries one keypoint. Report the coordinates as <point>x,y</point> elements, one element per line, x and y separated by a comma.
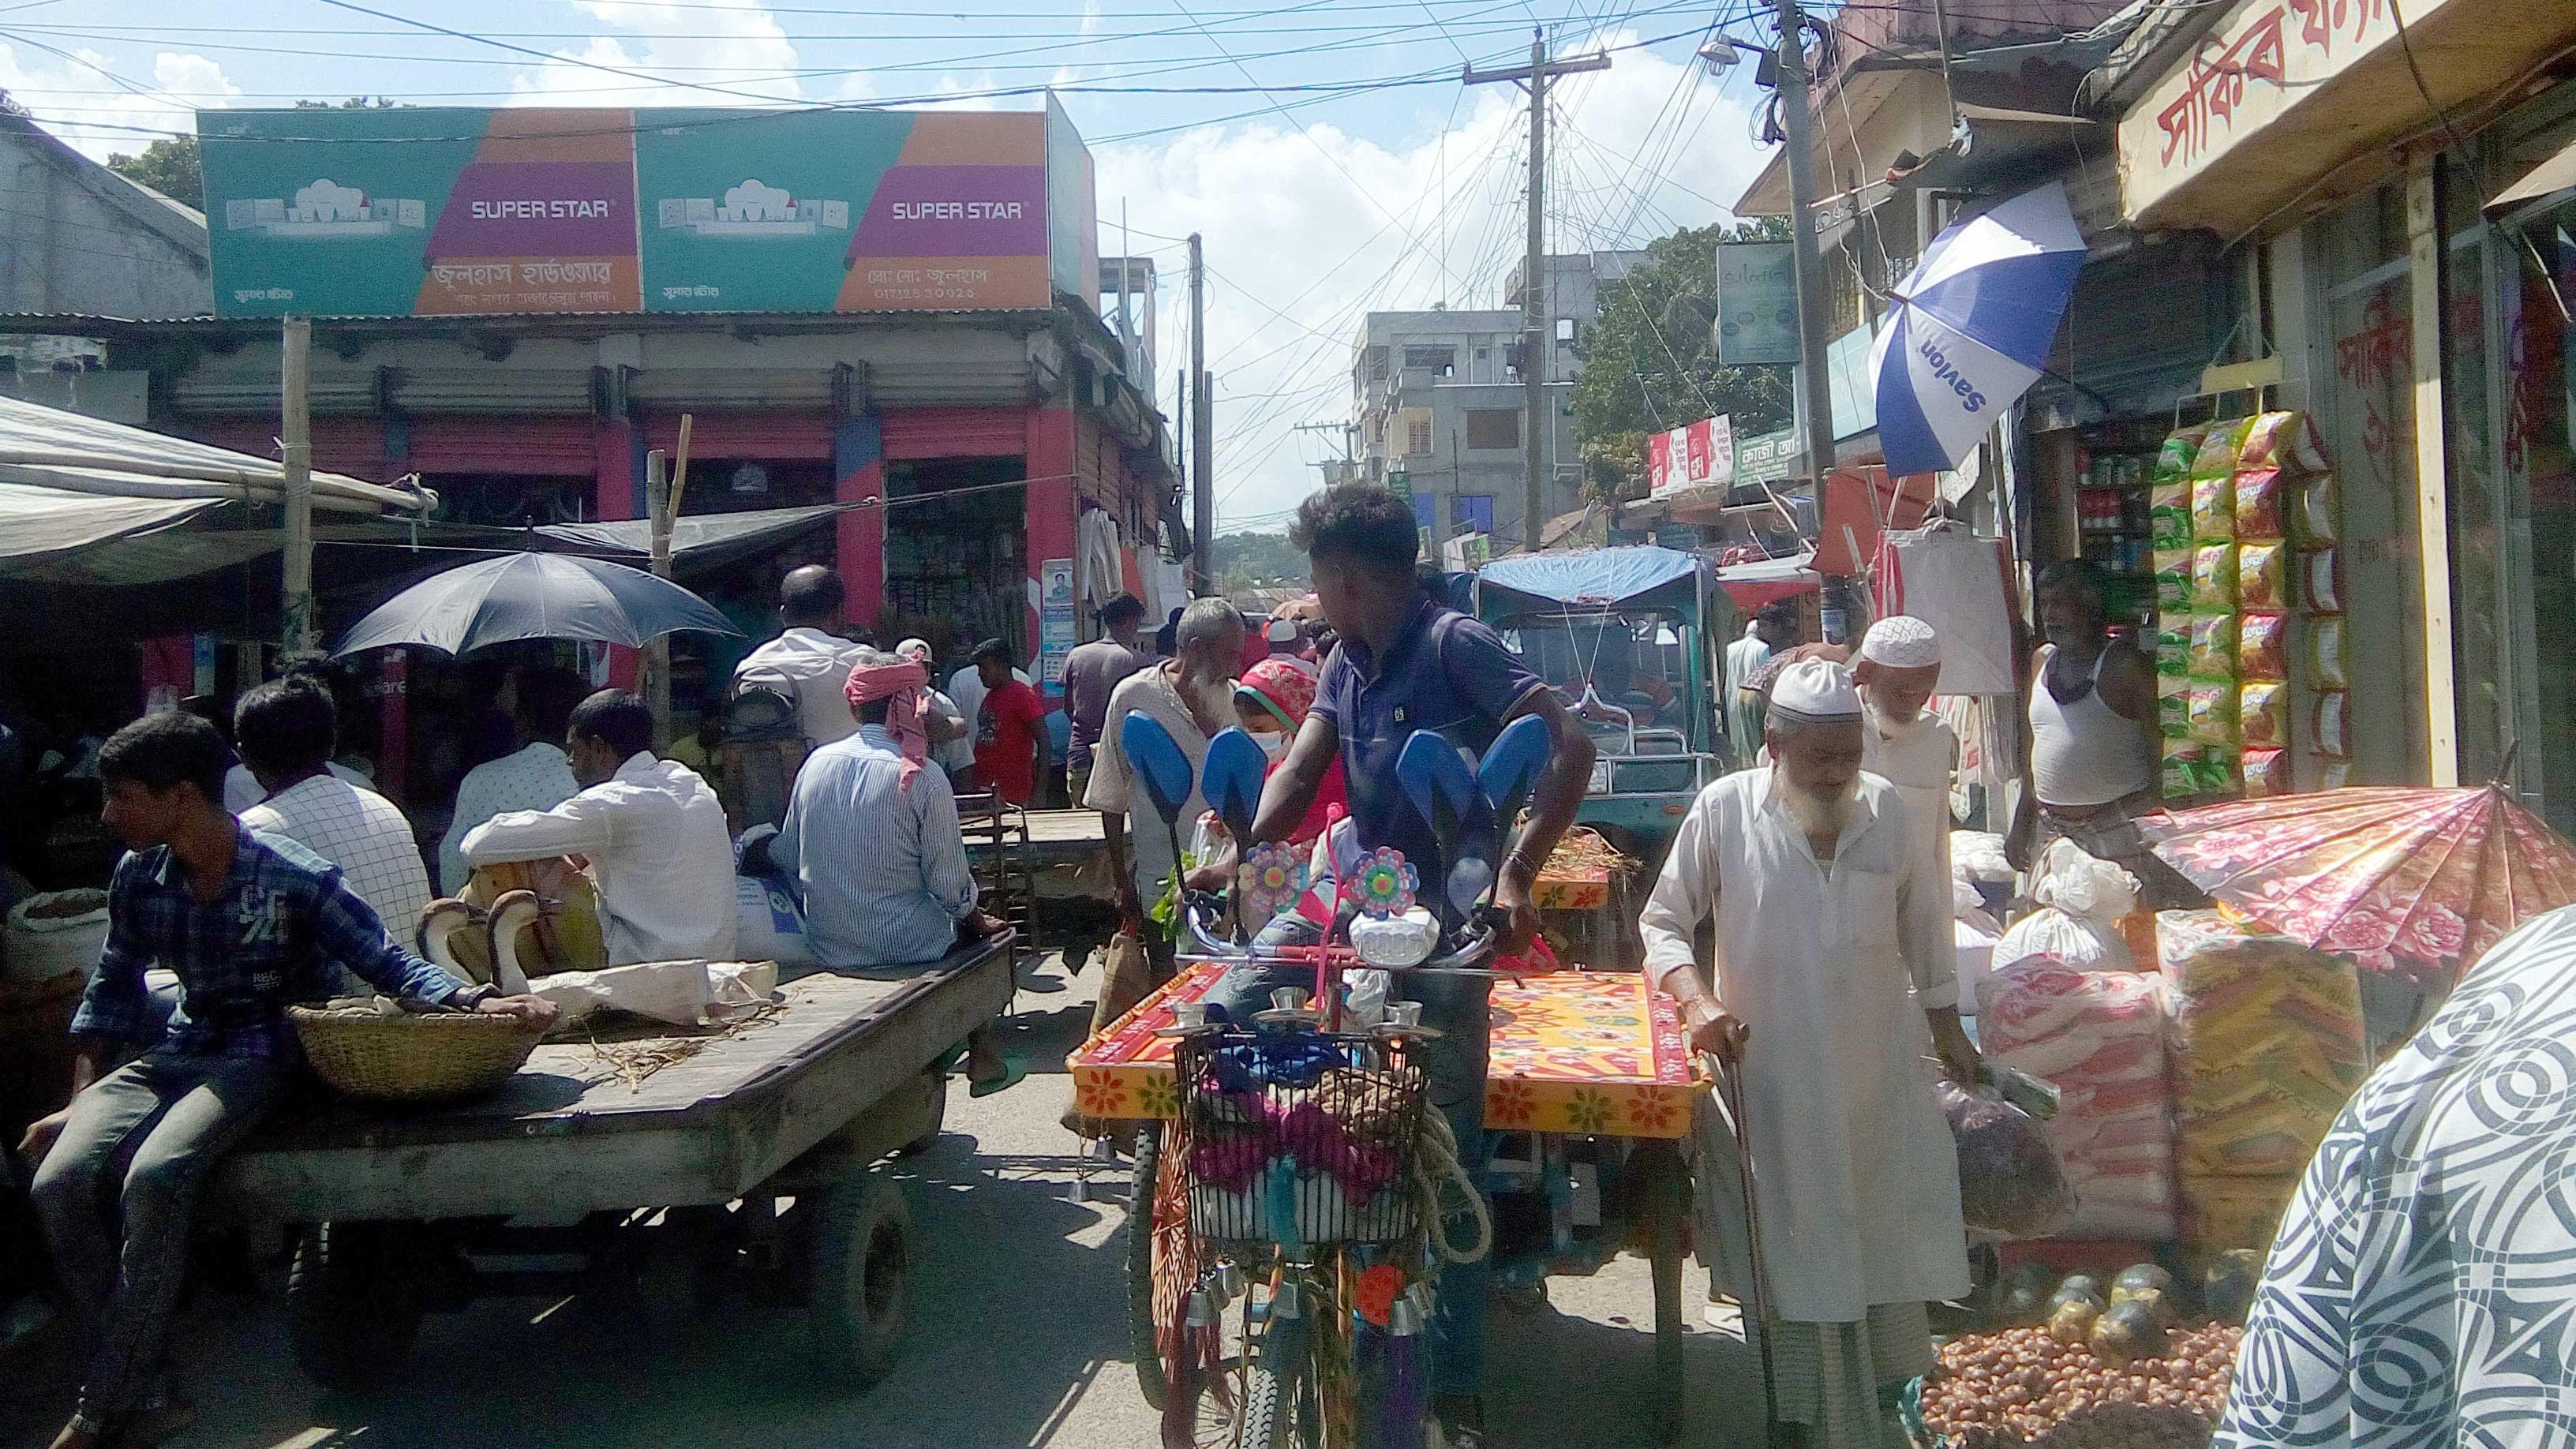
<point>657,651</point>
<point>296,445</point>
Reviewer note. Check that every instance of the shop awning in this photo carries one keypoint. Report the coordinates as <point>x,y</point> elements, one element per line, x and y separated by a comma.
<point>2556,174</point>
<point>699,541</point>
<point>1751,585</point>
<point>36,521</point>
<point>1594,576</point>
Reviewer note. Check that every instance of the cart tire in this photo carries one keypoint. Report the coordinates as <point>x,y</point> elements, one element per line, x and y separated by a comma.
<point>929,1137</point>
<point>860,1278</point>
<point>1663,1198</point>
<point>1279,1411</point>
<point>1144,1323</point>
<point>353,1305</point>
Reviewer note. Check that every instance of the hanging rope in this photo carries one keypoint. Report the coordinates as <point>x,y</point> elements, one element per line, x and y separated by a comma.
<point>1435,1167</point>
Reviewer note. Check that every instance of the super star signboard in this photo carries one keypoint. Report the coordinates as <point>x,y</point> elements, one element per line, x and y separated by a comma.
<point>422,211</point>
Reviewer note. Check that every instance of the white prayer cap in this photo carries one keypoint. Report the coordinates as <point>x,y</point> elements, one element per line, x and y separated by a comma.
<point>917,650</point>
<point>1815,690</point>
<point>1901,641</point>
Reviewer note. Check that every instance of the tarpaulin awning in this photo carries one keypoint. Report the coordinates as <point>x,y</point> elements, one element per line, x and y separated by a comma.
<point>1595,576</point>
<point>37,520</point>
<point>1751,585</point>
<point>2556,174</point>
<point>696,540</point>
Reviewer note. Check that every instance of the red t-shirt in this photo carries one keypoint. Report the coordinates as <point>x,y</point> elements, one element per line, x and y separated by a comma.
<point>1006,740</point>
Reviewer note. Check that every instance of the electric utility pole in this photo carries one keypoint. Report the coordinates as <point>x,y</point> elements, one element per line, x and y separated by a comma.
<point>1537,345</point>
<point>1814,385</point>
<point>1202,446</point>
<point>295,450</point>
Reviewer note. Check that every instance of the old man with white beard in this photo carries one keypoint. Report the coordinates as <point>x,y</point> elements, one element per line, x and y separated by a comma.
<point>1834,997</point>
<point>1905,744</point>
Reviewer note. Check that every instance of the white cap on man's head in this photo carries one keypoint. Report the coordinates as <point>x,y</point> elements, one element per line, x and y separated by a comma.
<point>1815,690</point>
<point>1901,641</point>
<point>917,650</point>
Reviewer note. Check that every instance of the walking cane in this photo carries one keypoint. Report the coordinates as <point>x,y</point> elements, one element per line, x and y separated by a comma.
<point>1757,1307</point>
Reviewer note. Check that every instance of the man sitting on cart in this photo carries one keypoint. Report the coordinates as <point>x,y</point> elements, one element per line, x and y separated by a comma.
<point>251,923</point>
<point>1406,663</point>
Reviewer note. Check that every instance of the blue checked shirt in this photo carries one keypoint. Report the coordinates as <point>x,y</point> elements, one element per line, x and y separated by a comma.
<point>277,935</point>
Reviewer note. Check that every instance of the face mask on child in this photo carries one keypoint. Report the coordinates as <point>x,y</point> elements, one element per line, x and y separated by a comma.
<point>1273,747</point>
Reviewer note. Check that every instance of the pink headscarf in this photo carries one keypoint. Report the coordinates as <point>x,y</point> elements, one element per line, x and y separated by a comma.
<point>901,685</point>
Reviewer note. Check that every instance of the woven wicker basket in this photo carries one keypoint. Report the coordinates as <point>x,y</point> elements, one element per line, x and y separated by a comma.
<point>429,1058</point>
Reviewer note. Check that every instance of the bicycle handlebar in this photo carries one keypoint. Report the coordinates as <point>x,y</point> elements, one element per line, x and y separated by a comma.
<point>1478,945</point>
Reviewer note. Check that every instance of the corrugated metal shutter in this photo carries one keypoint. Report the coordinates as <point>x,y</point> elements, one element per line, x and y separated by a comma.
<point>491,389</point>
<point>775,435</point>
<point>956,433</point>
<point>555,446</point>
<point>355,446</point>
<point>702,388</point>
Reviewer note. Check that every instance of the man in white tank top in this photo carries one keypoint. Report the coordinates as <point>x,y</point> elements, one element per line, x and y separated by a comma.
<point>2093,742</point>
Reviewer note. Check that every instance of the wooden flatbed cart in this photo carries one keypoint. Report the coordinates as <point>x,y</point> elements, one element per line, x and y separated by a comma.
<point>1590,1081</point>
<point>752,1161</point>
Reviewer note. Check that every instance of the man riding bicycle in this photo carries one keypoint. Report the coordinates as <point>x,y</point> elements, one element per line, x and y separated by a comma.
<point>1406,663</point>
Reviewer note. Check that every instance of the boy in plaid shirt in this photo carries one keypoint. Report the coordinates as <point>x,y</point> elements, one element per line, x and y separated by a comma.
<point>251,923</point>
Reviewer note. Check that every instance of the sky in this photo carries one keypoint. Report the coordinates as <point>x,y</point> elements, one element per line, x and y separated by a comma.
<point>1397,187</point>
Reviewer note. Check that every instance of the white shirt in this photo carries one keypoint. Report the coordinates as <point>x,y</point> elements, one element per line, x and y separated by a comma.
<point>1831,968</point>
<point>812,668</point>
<point>1917,762</point>
<point>958,755</point>
<point>361,832</point>
<point>1743,718</point>
<point>655,838</point>
<point>538,777</point>
<point>242,791</point>
<point>1113,782</point>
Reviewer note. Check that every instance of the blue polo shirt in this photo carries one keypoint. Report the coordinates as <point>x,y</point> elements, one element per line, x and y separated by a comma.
<point>1445,672</point>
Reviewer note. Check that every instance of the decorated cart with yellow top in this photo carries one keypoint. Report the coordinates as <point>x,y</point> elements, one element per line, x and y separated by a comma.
<point>1589,1082</point>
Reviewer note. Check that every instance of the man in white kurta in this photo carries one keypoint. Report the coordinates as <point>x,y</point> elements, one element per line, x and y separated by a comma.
<point>1906,744</point>
<point>1833,994</point>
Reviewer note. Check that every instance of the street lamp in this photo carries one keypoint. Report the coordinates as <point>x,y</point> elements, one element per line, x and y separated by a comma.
<point>1719,56</point>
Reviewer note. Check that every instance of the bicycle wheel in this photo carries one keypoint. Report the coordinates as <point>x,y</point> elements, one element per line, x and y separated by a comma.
<point>1279,1410</point>
<point>1163,1258</point>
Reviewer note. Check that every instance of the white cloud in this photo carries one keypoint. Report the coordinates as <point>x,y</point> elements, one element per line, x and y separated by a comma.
<point>1297,220</point>
<point>75,101</point>
<point>747,62</point>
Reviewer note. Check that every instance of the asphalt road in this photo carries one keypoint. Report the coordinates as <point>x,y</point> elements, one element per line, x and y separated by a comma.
<point>1018,1335</point>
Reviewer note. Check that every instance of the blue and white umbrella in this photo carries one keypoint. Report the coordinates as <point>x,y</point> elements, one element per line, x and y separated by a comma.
<point>1972,328</point>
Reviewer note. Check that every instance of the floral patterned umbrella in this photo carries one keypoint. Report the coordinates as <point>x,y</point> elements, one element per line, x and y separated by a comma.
<point>2414,883</point>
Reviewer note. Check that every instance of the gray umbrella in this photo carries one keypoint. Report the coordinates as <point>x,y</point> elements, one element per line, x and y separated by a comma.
<point>533,596</point>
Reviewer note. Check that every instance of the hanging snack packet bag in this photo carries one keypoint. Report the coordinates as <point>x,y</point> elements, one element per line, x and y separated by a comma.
<point>2213,647</point>
<point>2320,511</point>
<point>2259,570</point>
<point>2267,772</point>
<point>2174,589</point>
<point>2183,762</point>
<point>2179,452</point>
<point>2217,455</point>
<point>2173,705</point>
<point>2334,724</point>
<point>2258,504</point>
<point>2325,654</point>
<point>2212,711</point>
<point>2213,509</point>
<point>2169,514</point>
<point>2173,646</point>
<point>2282,440</point>
<point>2259,707</point>
<point>2213,576</point>
<point>2262,651</point>
<point>2321,572</point>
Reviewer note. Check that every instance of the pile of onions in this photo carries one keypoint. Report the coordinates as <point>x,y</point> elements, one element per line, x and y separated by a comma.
<point>2020,1386</point>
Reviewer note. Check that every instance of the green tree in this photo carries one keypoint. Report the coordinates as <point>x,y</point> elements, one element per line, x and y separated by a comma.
<point>1256,561</point>
<point>1649,362</point>
<point>168,166</point>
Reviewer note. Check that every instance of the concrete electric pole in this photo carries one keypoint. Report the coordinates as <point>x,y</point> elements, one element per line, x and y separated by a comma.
<point>1202,446</point>
<point>295,452</point>
<point>1536,343</point>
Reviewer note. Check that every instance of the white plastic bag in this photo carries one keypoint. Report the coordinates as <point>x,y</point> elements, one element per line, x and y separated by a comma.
<point>54,934</point>
<point>1976,952</point>
<point>678,993</point>
<point>2081,900</point>
<point>1977,856</point>
<point>767,924</point>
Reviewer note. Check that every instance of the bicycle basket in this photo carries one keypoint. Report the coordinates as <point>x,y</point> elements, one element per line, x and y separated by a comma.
<point>1300,1137</point>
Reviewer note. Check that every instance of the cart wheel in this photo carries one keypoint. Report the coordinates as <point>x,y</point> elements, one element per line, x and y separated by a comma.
<point>353,1304</point>
<point>1663,1201</point>
<point>929,1137</point>
<point>1162,1258</point>
<point>860,1271</point>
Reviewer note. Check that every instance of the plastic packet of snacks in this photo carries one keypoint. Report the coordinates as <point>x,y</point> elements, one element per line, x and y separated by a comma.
<point>2334,724</point>
<point>2258,503</point>
<point>2173,580</point>
<point>2173,646</point>
<point>2284,440</point>
<point>2213,647</point>
<point>2320,571</point>
<point>2326,668</point>
<point>2267,772</point>
<point>2213,509</point>
<point>2218,446</point>
<point>2173,705</point>
<point>2320,511</point>
<point>2183,762</point>
<point>2213,576</point>
<point>2259,710</point>
<point>2262,646</point>
<point>2169,514</point>
<point>2259,569</point>
<point>2179,452</point>
<point>2212,714</point>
